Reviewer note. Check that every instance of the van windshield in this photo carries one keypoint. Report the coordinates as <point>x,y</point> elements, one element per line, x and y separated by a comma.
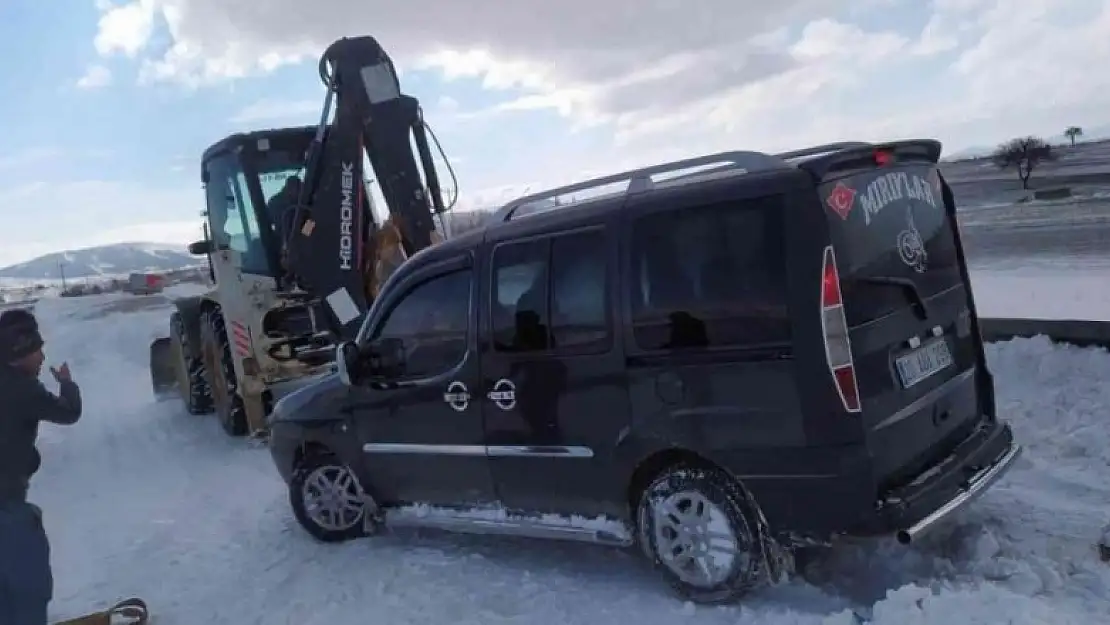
<point>893,237</point>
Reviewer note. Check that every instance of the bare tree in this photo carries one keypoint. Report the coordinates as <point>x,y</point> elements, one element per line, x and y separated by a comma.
<point>1072,133</point>
<point>1023,153</point>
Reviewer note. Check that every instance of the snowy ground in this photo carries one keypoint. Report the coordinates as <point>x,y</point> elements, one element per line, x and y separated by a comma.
<point>1047,290</point>
<point>143,499</point>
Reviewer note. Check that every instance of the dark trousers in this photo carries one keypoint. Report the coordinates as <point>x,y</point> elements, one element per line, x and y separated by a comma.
<point>26,582</point>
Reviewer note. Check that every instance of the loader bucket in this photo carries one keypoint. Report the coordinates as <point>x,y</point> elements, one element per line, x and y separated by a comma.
<point>163,374</point>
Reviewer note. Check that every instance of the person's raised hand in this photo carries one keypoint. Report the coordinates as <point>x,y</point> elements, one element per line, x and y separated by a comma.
<point>61,374</point>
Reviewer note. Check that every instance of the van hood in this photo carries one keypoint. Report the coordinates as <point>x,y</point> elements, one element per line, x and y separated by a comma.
<point>318,401</point>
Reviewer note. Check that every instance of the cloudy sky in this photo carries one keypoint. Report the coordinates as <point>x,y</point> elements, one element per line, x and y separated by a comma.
<point>108,104</point>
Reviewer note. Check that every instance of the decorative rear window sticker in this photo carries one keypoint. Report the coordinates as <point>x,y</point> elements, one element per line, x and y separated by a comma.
<point>841,199</point>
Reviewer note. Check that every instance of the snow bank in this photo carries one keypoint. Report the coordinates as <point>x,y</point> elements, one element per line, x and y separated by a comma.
<point>142,499</point>
<point>1042,293</point>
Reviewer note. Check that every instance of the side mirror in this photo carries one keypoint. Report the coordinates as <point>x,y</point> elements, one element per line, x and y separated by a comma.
<point>348,359</point>
<point>201,248</point>
<point>384,358</point>
<point>387,357</point>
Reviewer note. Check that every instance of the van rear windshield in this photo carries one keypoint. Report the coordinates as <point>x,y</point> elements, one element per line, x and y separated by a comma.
<point>890,226</point>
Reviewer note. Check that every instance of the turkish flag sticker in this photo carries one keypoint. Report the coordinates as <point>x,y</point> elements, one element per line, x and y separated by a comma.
<point>841,200</point>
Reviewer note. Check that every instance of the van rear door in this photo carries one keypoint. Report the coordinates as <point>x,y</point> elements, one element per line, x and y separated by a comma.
<point>906,304</point>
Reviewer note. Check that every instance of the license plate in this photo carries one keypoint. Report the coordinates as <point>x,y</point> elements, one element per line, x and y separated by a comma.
<point>923,362</point>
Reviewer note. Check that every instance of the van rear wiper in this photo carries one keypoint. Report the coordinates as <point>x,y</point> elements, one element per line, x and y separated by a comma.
<point>906,285</point>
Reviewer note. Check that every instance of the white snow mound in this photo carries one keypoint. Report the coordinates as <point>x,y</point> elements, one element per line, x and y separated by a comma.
<point>143,499</point>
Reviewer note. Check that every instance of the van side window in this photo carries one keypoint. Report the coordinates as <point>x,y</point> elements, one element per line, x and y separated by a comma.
<point>432,320</point>
<point>520,322</point>
<point>550,294</point>
<point>710,276</point>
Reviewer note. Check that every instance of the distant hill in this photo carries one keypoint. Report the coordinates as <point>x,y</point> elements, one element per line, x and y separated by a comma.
<point>976,151</point>
<point>124,258</point>
<point>106,260</point>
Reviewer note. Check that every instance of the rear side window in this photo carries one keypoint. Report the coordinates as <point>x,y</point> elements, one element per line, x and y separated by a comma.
<point>710,276</point>
<point>550,294</point>
<point>890,224</point>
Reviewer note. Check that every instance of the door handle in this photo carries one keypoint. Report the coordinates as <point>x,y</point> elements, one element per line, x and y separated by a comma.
<point>503,394</point>
<point>457,396</point>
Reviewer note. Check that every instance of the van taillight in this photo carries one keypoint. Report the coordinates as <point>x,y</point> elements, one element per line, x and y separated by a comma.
<point>834,330</point>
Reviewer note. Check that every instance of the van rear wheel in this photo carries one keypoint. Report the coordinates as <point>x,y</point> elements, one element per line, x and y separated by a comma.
<point>701,532</point>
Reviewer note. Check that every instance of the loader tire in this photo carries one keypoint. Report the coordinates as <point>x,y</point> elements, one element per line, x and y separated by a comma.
<point>219,368</point>
<point>191,380</point>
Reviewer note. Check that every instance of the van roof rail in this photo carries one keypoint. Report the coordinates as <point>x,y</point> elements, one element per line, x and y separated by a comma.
<point>729,163</point>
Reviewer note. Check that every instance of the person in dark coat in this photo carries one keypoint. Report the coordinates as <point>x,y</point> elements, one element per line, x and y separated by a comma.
<point>280,207</point>
<point>26,580</point>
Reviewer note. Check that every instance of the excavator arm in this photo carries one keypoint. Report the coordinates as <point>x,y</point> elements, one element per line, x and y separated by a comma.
<point>332,244</point>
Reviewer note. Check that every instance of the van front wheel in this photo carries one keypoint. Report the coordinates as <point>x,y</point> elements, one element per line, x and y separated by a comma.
<point>327,499</point>
<point>702,533</point>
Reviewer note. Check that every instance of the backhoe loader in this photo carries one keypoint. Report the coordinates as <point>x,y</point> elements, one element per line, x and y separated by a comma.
<point>294,249</point>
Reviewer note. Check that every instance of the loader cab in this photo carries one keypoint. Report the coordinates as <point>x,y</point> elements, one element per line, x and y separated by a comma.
<point>251,181</point>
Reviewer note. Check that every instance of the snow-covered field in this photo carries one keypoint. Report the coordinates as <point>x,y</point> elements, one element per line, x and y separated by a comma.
<point>1045,290</point>
<point>143,499</point>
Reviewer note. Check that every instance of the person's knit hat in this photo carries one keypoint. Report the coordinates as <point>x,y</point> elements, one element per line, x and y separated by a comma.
<point>19,335</point>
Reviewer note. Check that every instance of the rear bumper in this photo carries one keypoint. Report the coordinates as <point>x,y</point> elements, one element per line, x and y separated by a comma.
<point>911,511</point>
<point>977,485</point>
<point>840,499</point>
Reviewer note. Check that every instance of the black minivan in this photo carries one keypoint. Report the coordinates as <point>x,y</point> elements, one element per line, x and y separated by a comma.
<point>730,356</point>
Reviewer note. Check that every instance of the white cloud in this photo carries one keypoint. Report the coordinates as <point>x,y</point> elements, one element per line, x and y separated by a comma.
<point>521,43</point>
<point>630,62</point>
<point>1022,60</point>
<point>95,76</point>
<point>672,78</point>
<point>126,27</point>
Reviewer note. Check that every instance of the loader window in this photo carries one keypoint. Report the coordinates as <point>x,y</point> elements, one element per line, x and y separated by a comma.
<point>272,182</point>
<point>280,190</point>
<point>234,223</point>
<point>242,229</point>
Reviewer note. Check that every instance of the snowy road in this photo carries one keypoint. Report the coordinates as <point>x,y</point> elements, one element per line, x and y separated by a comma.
<point>142,499</point>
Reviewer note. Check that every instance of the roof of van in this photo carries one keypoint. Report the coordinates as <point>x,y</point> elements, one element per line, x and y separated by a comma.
<point>722,165</point>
